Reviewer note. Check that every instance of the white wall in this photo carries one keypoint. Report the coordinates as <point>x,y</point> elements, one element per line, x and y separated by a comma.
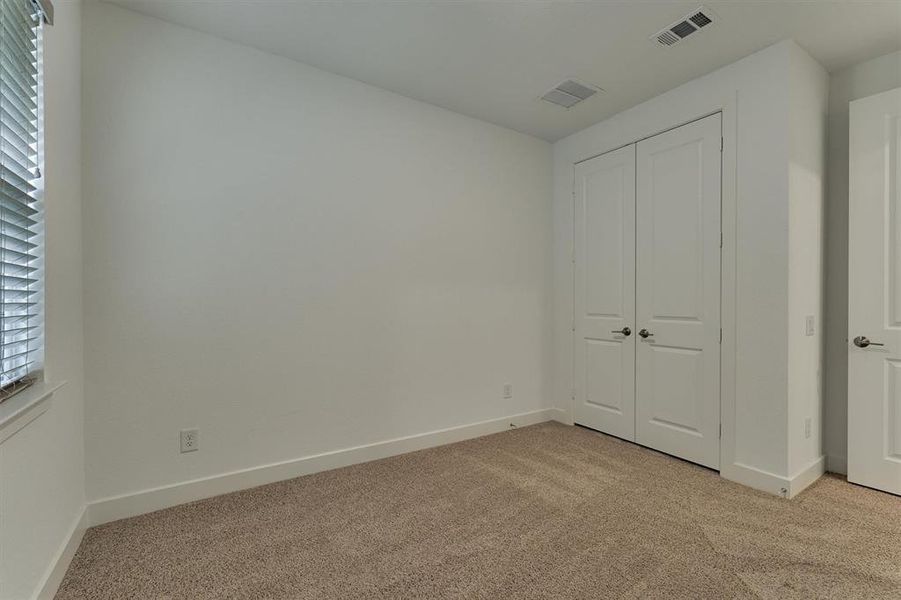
<point>758,91</point>
<point>859,81</point>
<point>809,94</point>
<point>292,261</point>
<point>42,466</point>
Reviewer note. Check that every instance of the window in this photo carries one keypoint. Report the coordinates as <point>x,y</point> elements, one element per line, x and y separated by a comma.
<point>21,187</point>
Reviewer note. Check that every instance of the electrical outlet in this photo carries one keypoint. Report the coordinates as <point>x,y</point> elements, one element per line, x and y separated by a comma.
<point>190,440</point>
<point>508,391</point>
<point>807,428</point>
<point>809,325</point>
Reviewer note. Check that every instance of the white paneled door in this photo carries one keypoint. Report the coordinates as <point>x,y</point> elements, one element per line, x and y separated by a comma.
<point>604,307</point>
<point>647,292</point>
<point>874,295</point>
<point>678,291</point>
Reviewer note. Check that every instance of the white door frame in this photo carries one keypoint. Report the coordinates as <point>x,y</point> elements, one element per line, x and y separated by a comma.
<point>727,106</point>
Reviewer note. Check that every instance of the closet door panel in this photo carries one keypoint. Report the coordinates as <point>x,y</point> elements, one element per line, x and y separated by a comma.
<point>678,291</point>
<point>604,303</point>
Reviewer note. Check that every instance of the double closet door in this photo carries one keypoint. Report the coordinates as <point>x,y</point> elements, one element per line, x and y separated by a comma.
<point>647,292</point>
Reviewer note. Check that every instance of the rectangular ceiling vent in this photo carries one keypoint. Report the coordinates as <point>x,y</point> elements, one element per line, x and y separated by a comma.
<point>569,93</point>
<point>684,27</point>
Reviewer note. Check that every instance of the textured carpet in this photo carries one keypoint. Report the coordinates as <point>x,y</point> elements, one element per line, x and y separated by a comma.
<point>541,512</point>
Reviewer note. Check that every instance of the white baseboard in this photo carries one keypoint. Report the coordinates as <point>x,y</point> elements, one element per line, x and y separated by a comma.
<point>60,564</point>
<point>837,464</point>
<point>803,478</point>
<point>756,478</point>
<point>787,487</point>
<point>560,416</point>
<point>113,508</point>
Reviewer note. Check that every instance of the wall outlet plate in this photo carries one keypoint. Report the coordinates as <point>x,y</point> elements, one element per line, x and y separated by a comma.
<point>190,440</point>
<point>508,391</point>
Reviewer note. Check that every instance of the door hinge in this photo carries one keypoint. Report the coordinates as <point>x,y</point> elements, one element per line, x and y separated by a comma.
<point>721,335</point>
<point>721,239</point>
<point>722,144</point>
<point>721,431</point>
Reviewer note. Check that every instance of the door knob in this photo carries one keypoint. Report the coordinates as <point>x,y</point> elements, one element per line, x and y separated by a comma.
<point>644,333</point>
<point>625,331</point>
<point>862,341</point>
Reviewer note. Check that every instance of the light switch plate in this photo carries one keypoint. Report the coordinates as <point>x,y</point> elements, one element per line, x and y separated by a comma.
<point>810,325</point>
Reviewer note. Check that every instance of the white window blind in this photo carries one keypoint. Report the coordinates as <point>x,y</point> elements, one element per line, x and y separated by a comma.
<point>21,212</point>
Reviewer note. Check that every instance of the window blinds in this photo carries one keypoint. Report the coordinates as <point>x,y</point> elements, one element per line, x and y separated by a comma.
<point>21,214</point>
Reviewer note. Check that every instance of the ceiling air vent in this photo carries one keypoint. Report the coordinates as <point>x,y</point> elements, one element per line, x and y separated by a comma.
<point>684,27</point>
<point>569,93</point>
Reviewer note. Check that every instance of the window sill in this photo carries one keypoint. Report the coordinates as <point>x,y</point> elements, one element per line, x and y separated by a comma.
<point>25,407</point>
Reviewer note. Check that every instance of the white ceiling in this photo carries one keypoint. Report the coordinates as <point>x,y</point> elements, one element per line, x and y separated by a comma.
<point>492,60</point>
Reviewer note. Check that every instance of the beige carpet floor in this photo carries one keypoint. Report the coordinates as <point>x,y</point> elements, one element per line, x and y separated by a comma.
<point>541,512</point>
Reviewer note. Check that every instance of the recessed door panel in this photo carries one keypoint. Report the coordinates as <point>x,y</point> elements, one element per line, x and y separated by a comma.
<point>674,230</point>
<point>605,205</point>
<point>678,375</point>
<point>604,375</point>
<point>678,291</point>
<point>605,293</point>
<point>892,401</point>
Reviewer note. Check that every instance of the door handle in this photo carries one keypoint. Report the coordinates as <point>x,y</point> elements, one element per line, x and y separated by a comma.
<point>862,341</point>
<point>645,334</point>
<point>625,331</point>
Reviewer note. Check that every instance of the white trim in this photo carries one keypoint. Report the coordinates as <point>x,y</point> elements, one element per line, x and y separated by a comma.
<point>26,406</point>
<point>113,508</point>
<point>803,478</point>
<point>765,481</point>
<point>837,464</point>
<point>60,563</point>
<point>560,415</point>
<point>758,479</point>
<point>728,279</point>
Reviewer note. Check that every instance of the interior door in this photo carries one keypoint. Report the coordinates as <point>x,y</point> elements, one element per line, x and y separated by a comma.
<point>874,294</point>
<point>678,291</point>
<point>604,315</point>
